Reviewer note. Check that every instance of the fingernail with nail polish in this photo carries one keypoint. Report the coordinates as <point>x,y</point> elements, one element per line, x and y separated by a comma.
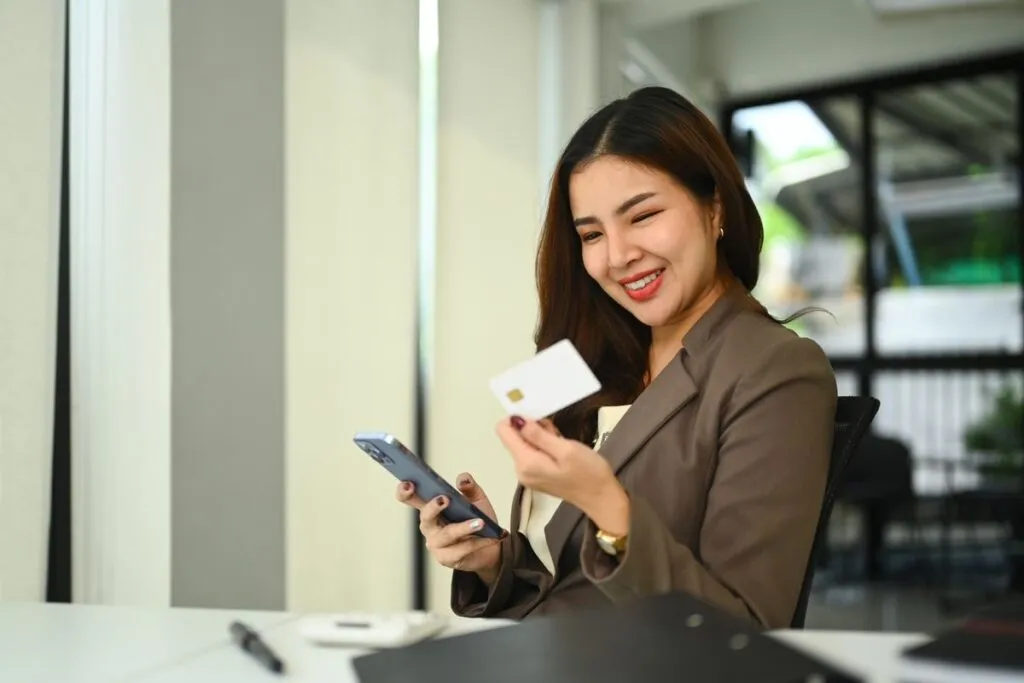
<point>518,422</point>
<point>476,524</point>
<point>440,501</point>
<point>407,486</point>
<point>464,481</point>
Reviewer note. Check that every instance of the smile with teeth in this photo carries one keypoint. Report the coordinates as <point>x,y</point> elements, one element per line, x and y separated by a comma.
<point>640,284</point>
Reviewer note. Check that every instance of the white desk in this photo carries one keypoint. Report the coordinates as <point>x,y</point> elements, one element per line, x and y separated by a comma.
<point>874,656</point>
<point>51,643</point>
<point>871,655</point>
<point>87,644</point>
<point>305,663</point>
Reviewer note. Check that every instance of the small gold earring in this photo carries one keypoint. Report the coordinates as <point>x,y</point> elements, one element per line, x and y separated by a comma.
<point>721,232</point>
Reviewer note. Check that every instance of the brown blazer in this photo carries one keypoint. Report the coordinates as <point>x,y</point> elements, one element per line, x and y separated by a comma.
<point>724,456</point>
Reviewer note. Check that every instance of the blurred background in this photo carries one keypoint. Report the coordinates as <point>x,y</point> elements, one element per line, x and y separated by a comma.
<point>235,232</point>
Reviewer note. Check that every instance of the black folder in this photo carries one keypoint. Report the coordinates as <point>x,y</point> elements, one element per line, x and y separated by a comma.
<point>672,637</point>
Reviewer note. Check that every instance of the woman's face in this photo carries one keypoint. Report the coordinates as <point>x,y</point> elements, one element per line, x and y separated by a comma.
<point>645,239</point>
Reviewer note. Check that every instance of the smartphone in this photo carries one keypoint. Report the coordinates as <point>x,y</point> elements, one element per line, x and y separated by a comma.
<point>405,465</point>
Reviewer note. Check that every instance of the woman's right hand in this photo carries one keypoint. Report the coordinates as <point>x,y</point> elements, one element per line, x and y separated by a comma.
<point>454,545</point>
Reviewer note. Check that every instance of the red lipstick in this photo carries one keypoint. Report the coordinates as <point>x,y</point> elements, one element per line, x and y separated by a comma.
<point>643,286</point>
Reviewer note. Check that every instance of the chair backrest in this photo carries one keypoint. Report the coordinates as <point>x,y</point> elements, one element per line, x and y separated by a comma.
<point>853,416</point>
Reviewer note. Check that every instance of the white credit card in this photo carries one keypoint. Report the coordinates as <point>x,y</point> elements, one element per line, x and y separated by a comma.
<point>539,387</point>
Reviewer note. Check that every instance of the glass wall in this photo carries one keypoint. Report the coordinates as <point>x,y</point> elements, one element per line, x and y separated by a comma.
<point>805,175</point>
<point>948,258</point>
<point>895,204</point>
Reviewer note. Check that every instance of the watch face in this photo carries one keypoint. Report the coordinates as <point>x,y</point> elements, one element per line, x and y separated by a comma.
<point>607,547</point>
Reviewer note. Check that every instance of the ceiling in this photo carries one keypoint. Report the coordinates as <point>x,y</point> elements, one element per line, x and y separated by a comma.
<point>740,49</point>
<point>932,142</point>
<point>652,13</point>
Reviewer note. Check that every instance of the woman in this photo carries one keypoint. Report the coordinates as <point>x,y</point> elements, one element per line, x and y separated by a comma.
<point>712,479</point>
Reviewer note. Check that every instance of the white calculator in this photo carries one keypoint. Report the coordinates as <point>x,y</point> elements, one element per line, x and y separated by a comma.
<point>378,631</point>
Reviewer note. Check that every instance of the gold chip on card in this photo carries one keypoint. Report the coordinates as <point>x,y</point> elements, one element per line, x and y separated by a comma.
<point>542,385</point>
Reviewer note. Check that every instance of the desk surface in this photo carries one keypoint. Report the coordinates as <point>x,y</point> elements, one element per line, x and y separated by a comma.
<point>87,643</point>
<point>306,663</point>
<point>93,644</point>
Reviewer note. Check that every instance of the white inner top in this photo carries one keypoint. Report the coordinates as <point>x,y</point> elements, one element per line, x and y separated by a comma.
<point>538,507</point>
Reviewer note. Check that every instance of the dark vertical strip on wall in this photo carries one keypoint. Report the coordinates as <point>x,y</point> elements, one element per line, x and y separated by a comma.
<point>869,230</point>
<point>419,551</point>
<point>58,570</point>
<point>425,255</point>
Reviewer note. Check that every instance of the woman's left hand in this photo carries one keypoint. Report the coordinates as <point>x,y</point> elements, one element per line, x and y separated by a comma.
<point>567,469</point>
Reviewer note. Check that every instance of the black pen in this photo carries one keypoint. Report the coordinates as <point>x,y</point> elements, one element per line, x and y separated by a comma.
<point>250,641</point>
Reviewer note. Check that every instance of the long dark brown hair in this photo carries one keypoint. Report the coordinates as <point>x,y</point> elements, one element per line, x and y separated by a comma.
<point>659,129</point>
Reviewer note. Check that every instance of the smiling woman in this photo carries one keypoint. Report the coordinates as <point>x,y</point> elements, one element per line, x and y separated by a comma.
<point>700,465</point>
<point>646,188</point>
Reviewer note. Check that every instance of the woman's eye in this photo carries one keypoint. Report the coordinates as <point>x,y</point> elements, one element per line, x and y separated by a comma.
<point>590,236</point>
<point>644,216</point>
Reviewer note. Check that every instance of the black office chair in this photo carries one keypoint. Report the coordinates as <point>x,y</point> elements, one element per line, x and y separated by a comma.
<point>853,416</point>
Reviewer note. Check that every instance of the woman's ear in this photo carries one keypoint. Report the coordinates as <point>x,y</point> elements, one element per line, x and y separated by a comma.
<point>716,214</point>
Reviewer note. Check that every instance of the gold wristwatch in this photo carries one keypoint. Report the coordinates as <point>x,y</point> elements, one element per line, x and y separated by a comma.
<point>611,544</point>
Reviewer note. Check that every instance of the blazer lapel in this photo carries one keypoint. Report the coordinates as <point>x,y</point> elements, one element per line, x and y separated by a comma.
<point>671,390</point>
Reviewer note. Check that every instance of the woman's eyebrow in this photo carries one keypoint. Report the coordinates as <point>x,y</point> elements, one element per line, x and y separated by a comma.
<point>623,208</point>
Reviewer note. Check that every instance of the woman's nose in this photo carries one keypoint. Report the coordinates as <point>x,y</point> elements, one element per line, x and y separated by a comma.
<point>621,252</point>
